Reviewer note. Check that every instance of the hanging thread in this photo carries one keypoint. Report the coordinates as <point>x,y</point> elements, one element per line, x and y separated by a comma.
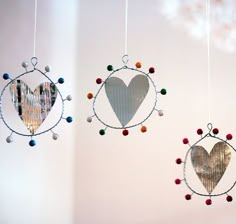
<point>126,24</point>
<point>208,25</point>
<point>35,26</point>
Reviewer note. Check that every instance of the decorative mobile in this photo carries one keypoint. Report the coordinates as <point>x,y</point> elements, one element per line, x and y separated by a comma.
<point>33,107</point>
<point>209,167</point>
<point>126,100</point>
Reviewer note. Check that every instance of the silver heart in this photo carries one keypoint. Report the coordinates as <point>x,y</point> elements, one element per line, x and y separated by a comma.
<point>125,100</point>
<point>210,167</point>
<point>33,107</point>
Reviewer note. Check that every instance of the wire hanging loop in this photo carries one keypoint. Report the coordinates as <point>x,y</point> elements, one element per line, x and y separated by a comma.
<point>125,59</point>
<point>34,61</point>
<point>209,126</point>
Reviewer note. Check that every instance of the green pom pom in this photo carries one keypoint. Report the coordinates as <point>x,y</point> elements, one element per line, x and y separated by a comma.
<point>109,67</point>
<point>163,91</point>
<point>102,132</point>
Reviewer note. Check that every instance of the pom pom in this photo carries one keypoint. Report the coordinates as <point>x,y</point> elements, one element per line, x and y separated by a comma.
<point>89,96</point>
<point>143,129</point>
<point>199,131</point>
<point>208,202</point>
<point>229,136</point>
<point>185,141</point>
<point>163,91</point>
<point>89,119</point>
<point>61,80</point>
<point>102,132</point>
<point>6,76</point>
<point>109,67</point>
<point>125,132</point>
<point>55,136</point>
<point>32,142</point>
<point>69,97</point>
<point>229,198</point>
<point>178,161</point>
<point>188,196</point>
<point>215,131</point>
<point>151,70</point>
<point>24,64</point>
<point>9,139</point>
<point>177,181</point>
<point>98,80</point>
<point>47,68</point>
<point>160,113</point>
<point>69,119</point>
<point>138,65</point>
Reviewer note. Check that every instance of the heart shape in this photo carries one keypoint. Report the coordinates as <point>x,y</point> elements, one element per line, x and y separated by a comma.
<point>33,107</point>
<point>210,167</point>
<point>125,100</point>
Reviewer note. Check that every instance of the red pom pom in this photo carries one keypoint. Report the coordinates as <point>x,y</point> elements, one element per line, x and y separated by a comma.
<point>199,131</point>
<point>125,132</point>
<point>229,198</point>
<point>178,161</point>
<point>151,70</point>
<point>98,80</point>
<point>229,136</point>
<point>188,196</point>
<point>208,202</point>
<point>185,141</point>
<point>177,181</point>
<point>215,131</point>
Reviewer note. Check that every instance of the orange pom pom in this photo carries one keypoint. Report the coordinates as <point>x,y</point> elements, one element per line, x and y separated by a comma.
<point>90,96</point>
<point>138,65</point>
<point>143,129</point>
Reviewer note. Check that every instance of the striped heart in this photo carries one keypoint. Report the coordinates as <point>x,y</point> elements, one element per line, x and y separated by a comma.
<point>211,167</point>
<point>33,107</point>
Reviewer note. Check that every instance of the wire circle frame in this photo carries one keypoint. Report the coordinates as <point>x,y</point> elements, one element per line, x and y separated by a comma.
<point>125,60</point>
<point>34,62</point>
<point>207,135</point>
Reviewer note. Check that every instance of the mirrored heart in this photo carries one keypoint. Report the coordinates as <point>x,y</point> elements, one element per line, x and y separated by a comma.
<point>210,167</point>
<point>33,107</point>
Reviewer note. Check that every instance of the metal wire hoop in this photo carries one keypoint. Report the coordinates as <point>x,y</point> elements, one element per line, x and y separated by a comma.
<point>208,135</point>
<point>125,61</point>
<point>34,61</point>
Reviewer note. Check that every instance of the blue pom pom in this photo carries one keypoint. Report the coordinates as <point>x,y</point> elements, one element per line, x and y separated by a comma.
<point>69,119</point>
<point>6,76</point>
<point>61,80</point>
<point>32,142</point>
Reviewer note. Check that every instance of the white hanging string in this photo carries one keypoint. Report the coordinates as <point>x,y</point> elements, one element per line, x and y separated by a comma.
<point>126,24</point>
<point>208,26</point>
<point>35,26</point>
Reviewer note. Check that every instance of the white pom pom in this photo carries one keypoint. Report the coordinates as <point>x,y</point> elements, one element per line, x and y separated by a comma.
<point>160,112</point>
<point>24,64</point>
<point>69,97</point>
<point>9,139</point>
<point>55,136</point>
<point>89,119</point>
<point>47,68</point>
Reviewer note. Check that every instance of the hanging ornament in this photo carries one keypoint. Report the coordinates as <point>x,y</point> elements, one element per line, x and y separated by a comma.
<point>32,106</point>
<point>126,98</point>
<point>209,164</point>
<point>210,156</point>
